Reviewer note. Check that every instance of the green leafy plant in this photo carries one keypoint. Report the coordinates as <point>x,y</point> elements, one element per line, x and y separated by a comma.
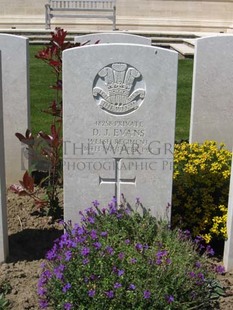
<point>3,302</point>
<point>200,189</point>
<point>4,289</point>
<point>119,259</point>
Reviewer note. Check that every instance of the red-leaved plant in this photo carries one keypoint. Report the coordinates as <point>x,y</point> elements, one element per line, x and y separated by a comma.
<point>45,150</point>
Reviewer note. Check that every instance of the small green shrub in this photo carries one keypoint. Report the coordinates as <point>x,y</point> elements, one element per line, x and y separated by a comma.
<point>4,289</point>
<point>201,188</point>
<point>3,302</point>
<point>118,259</point>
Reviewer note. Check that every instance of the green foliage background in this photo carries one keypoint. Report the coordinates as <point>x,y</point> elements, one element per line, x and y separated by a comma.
<point>41,95</point>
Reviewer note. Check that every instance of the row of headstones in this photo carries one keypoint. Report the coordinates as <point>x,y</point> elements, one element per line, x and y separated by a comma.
<point>120,124</point>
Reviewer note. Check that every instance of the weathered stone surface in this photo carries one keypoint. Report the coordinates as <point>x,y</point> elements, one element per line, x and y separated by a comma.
<point>112,37</point>
<point>212,103</point>
<point>16,109</point>
<point>119,123</point>
<point>3,212</point>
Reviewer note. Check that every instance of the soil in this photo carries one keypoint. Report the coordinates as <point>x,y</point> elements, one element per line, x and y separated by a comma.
<point>30,237</point>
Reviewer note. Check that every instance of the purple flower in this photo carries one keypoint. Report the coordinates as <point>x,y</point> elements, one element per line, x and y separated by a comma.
<point>192,274</point>
<point>184,235</point>
<point>220,269</point>
<point>109,250</point>
<point>91,220</point>
<point>97,245</point>
<point>127,241</point>
<point>117,285</point>
<point>41,291</point>
<point>66,287</point>
<point>110,294</point>
<point>133,260</point>
<point>139,247</point>
<point>158,261</point>
<point>104,234</point>
<point>113,201</point>
<point>67,306</point>
<point>170,299</point>
<point>161,254</point>
<point>112,210</point>
<point>187,232</point>
<point>43,304</point>
<point>95,203</point>
<point>81,239</point>
<point>146,246</point>
<point>209,251</point>
<point>85,251</point>
<point>93,277</point>
<point>198,264</point>
<point>58,271</point>
<point>93,234</point>
<point>80,231</point>
<point>68,255</point>
<point>45,276</point>
<point>146,294</point>
<point>85,261</point>
<point>201,276</point>
<point>52,254</point>
<point>103,211</point>
<point>91,293</point>
<point>120,273</point>
<point>121,256</point>
<point>132,287</point>
<point>198,239</point>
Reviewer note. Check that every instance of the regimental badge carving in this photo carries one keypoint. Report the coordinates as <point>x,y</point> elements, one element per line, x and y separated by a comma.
<point>119,89</point>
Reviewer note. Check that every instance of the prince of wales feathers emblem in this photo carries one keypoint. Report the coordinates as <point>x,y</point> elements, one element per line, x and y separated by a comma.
<point>119,94</point>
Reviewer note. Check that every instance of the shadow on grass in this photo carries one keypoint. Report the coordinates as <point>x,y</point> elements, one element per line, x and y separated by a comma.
<point>31,244</point>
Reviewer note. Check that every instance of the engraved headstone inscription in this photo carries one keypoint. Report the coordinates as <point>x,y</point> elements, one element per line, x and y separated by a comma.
<point>15,87</point>
<point>112,37</point>
<point>212,95</point>
<point>3,212</point>
<point>118,124</point>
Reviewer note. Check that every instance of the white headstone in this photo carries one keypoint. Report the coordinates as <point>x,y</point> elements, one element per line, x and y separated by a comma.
<point>212,97</point>
<point>112,37</point>
<point>3,212</point>
<point>119,123</point>
<point>228,248</point>
<point>15,86</point>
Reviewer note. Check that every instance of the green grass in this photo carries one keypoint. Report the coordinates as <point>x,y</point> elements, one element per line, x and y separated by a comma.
<point>41,77</point>
<point>184,92</point>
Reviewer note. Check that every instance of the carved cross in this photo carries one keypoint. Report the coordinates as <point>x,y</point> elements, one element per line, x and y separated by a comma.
<point>117,180</point>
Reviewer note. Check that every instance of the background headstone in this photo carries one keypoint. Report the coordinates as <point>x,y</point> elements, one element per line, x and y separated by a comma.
<point>15,86</point>
<point>112,37</point>
<point>228,248</point>
<point>212,96</point>
<point>119,123</point>
<point>3,212</point>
